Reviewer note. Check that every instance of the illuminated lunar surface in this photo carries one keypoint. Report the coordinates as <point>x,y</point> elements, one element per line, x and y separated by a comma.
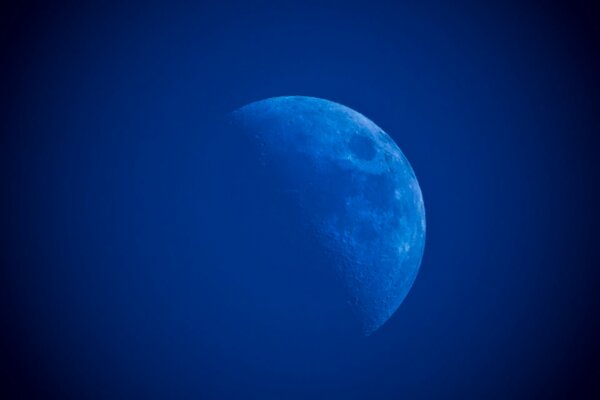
<point>356,192</point>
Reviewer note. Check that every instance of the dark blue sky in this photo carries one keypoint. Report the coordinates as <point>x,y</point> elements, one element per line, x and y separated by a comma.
<point>143,257</point>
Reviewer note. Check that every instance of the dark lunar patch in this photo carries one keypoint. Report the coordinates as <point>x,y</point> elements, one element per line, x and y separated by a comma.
<point>362,147</point>
<point>379,191</point>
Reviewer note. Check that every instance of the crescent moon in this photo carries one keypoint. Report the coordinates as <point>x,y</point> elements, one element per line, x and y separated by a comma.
<point>356,191</point>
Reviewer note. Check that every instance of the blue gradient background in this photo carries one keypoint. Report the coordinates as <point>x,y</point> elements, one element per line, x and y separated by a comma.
<point>108,286</point>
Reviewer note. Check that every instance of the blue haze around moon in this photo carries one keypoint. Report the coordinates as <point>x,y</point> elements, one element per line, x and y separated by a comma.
<point>356,190</point>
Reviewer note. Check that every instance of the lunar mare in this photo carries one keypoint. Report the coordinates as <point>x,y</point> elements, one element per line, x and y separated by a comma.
<point>356,191</point>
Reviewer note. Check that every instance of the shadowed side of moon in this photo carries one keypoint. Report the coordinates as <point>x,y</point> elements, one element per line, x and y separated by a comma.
<point>355,190</point>
<point>275,307</point>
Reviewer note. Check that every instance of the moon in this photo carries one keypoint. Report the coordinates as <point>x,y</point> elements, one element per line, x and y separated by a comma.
<point>355,190</point>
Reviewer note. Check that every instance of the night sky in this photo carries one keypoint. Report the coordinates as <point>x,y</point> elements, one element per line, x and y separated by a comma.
<point>144,254</point>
